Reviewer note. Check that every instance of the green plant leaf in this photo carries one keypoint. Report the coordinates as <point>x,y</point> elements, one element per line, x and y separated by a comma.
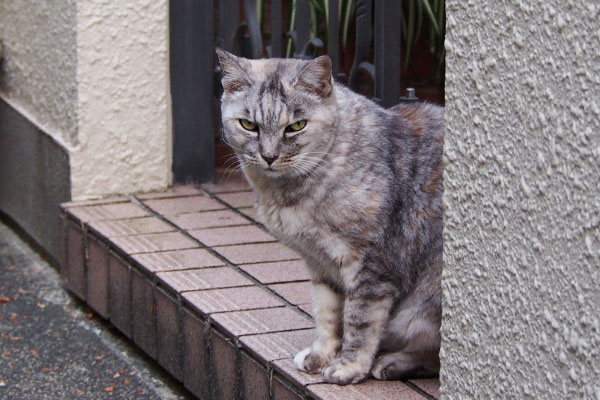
<point>348,14</point>
<point>431,16</point>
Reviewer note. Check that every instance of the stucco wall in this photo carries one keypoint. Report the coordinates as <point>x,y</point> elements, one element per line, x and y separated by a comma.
<point>522,202</point>
<point>39,63</point>
<point>124,123</point>
<point>94,76</point>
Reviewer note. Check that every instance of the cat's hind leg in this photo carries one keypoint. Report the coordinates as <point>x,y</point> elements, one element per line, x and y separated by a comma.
<point>402,365</point>
<point>410,348</point>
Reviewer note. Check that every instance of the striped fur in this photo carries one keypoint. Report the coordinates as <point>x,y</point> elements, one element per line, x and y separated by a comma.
<point>357,192</point>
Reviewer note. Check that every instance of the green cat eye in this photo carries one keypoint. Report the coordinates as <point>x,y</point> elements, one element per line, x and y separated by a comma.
<point>250,126</point>
<point>296,126</point>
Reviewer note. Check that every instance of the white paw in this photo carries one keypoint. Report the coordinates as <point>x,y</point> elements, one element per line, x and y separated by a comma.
<point>299,359</point>
<point>343,371</point>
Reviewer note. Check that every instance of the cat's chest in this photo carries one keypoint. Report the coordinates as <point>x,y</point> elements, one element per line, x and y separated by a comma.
<point>301,227</point>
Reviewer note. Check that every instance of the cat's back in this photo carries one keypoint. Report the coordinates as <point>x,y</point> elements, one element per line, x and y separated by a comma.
<point>422,119</point>
<point>419,137</point>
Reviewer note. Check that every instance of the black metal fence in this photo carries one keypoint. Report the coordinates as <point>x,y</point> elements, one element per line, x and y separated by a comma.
<point>198,26</point>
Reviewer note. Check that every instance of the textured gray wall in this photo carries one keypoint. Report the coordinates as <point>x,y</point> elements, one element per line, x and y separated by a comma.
<point>522,228</point>
<point>39,67</point>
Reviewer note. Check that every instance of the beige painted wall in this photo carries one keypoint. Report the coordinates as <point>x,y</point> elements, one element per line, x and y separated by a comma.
<point>94,76</point>
<point>522,202</point>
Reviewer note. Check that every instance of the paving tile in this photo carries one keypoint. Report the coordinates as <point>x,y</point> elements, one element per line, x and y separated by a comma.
<point>143,313</point>
<point>132,226</point>
<point>287,368</point>
<point>177,259</point>
<point>279,345</point>
<point>278,272</point>
<point>232,235</point>
<point>295,292</point>
<point>119,289</point>
<point>181,205</point>
<point>228,182</point>
<point>76,279</point>
<point>196,375</point>
<point>370,389</point>
<point>208,219</point>
<point>168,339</point>
<point>97,276</point>
<point>255,253</point>
<point>153,242</point>
<point>106,212</point>
<point>284,391</point>
<point>64,227</point>
<point>174,191</point>
<point>429,386</point>
<point>239,199</point>
<point>224,365</point>
<point>206,278</point>
<point>307,308</point>
<point>249,212</point>
<point>262,321</point>
<point>82,203</point>
<point>234,299</point>
<point>255,381</point>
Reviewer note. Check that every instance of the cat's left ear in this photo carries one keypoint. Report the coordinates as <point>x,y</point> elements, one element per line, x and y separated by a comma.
<point>235,77</point>
<point>315,77</point>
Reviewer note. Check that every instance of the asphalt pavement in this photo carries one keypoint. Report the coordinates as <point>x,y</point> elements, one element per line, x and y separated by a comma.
<point>53,347</point>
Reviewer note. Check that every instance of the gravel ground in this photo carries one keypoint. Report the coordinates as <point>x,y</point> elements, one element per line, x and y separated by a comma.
<point>53,347</point>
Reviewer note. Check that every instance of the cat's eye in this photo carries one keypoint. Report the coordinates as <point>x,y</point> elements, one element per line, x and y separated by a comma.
<point>296,126</point>
<point>248,125</point>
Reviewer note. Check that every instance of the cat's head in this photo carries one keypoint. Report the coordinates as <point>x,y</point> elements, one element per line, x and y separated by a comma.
<point>278,114</point>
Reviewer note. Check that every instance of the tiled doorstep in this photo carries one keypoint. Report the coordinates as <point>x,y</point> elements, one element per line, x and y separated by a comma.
<point>224,320</point>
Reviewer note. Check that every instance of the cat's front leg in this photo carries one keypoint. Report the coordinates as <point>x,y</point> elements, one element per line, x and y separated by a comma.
<point>365,316</point>
<point>327,311</point>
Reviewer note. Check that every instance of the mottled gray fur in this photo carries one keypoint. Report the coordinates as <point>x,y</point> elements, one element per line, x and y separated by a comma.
<point>357,192</point>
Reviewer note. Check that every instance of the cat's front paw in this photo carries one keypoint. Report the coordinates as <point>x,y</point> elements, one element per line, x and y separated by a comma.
<point>343,371</point>
<point>309,360</point>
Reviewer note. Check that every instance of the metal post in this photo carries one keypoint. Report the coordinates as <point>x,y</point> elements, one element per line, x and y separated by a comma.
<point>388,13</point>
<point>192,89</point>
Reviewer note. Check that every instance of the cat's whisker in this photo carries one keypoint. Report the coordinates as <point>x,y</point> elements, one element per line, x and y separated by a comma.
<point>313,165</point>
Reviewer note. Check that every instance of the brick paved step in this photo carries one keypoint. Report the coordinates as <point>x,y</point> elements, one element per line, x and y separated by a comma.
<point>195,281</point>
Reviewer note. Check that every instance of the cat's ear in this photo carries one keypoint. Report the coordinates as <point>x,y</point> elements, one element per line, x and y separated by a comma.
<point>315,77</point>
<point>235,75</point>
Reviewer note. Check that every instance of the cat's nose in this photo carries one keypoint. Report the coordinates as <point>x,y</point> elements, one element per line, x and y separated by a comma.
<point>268,159</point>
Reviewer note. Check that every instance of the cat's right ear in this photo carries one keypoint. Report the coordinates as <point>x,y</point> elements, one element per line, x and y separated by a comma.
<point>315,77</point>
<point>235,75</point>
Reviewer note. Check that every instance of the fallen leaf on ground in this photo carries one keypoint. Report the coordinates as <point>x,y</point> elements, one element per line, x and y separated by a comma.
<point>2,383</point>
<point>5,299</point>
<point>127,382</point>
<point>11,267</point>
<point>109,389</point>
<point>33,351</point>
<point>78,393</point>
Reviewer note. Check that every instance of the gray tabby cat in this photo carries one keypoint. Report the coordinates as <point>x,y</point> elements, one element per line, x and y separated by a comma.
<point>356,189</point>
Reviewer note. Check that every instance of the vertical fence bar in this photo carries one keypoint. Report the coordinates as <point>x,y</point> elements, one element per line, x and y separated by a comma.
<point>253,28</point>
<point>333,34</point>
<point>302,27</point>
<point>192,89</point>
<point>229,19</point>
<point>363,41</point>
<point>276,28</point>
<point>388,14</point>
